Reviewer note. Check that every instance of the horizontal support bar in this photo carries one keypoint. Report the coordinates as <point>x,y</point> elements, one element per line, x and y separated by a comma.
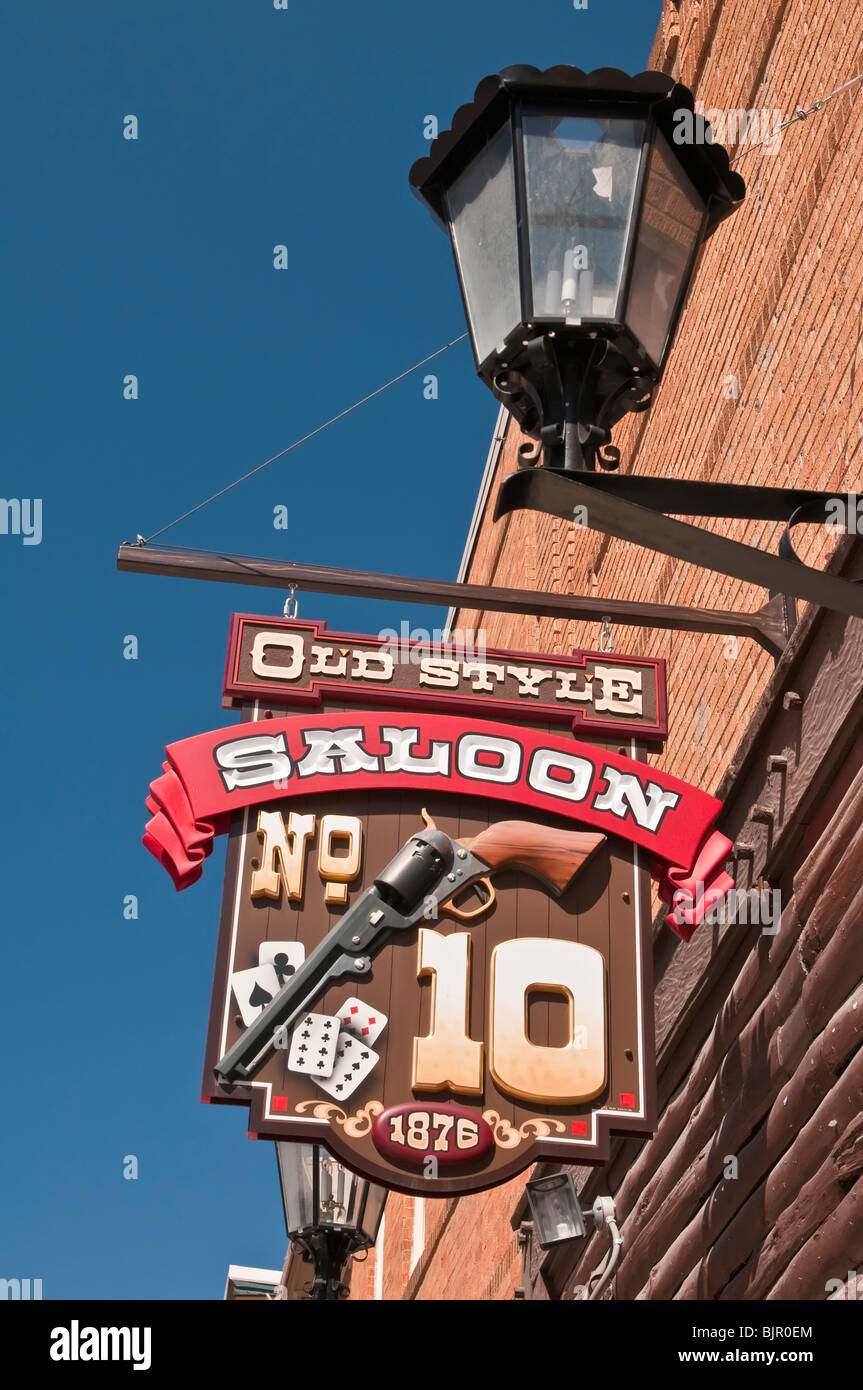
<point>690,497</point>
<point>765,626</point>
<point>558,493</point>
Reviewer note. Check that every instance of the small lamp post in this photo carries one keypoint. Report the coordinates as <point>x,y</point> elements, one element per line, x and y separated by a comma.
<point>330,1212</point>
<point>575,216</point>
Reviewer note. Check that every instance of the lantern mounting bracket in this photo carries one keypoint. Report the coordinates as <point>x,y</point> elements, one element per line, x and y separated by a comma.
<point>566,394</point>
<point>644,509</point>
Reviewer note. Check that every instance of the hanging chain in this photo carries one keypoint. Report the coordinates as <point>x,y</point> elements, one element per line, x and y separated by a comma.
<point>606,641</point>
<point>292,603</point>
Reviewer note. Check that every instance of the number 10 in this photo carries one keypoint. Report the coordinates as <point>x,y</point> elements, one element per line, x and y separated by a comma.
<point>447,1057</point>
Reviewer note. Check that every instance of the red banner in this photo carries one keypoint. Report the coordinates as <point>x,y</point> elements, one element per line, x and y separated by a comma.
<point>209,777</point>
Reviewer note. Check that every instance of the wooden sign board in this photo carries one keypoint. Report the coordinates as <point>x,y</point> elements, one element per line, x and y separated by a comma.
<point>506,1016</point>
<point>301,663</point>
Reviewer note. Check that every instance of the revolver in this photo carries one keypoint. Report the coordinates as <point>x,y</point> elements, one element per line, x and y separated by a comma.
<point>430,866</point>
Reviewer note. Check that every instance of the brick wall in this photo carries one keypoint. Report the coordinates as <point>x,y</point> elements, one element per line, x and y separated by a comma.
<point>469,1252</point>
<point>762,386</point>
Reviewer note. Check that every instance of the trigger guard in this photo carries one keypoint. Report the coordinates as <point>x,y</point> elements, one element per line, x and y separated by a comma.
<point>480,909</point>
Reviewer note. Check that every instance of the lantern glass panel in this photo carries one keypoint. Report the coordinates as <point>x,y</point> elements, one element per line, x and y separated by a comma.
<point>339,1193</point>
<point>297,1169</point>
<point>373,1210</point>
<point>668,234</point>
<point>581,174</point>
<point>482,212</point>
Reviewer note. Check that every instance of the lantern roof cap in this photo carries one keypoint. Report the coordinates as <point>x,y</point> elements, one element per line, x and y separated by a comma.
<point>706,163</point>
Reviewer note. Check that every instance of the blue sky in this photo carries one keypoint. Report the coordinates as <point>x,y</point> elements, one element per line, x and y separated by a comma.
<point>154,257</point>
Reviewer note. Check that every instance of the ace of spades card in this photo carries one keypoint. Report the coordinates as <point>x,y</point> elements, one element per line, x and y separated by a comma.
<point>253,989</point>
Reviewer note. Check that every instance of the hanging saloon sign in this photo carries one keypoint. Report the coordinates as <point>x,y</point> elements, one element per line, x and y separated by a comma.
<point>435,948</point>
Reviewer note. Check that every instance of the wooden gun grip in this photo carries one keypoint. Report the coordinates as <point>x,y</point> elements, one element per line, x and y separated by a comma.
<point>554,856</point>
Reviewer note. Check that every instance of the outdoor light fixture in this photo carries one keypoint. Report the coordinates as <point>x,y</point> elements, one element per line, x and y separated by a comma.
<point>557,1219</point>
<point>555,1210</point>
<point>576,204</point>
<point>575,221</point>
<point>330,1212</point>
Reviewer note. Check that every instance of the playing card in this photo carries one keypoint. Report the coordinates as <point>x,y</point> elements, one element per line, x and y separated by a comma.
<point>354,1060</point>
<point>365,1024</point>
<point>284,956</point>
<point>313,1045</point>
<point>253,990</point>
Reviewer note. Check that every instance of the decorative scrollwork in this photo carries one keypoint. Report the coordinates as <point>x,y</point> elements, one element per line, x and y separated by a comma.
<point>521,397</point>
<point>640,402</point>
<point>507,1137</point>
<point>355,1126</point>
<point>528,453</point>
<point>631,397</point>
<point>540,1128</point>
<point>608,457</point>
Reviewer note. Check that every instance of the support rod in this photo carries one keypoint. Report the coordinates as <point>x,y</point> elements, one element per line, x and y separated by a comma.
<point>766,626</point>
<point>607,509</point>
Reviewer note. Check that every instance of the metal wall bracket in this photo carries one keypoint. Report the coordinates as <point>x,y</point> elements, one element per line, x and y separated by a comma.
<point>634,508</point>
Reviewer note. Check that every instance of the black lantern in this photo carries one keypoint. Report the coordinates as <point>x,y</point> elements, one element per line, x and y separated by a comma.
<point>330,1212</point>
<point>576,204</point>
